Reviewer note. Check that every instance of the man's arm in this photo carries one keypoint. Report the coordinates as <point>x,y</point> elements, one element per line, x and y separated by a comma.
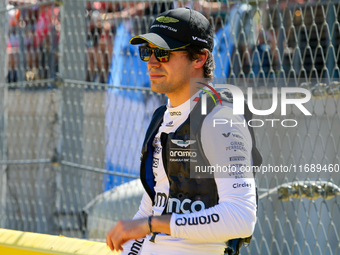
<point>124,235</point>
<point>126,230</point>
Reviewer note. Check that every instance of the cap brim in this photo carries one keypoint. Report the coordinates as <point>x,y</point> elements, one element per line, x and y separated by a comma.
<point>158,40</point>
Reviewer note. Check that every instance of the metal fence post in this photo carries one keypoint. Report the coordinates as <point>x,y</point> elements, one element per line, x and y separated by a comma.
<point>3,112</point>
<point>71,67</point>
<point>331,20</point>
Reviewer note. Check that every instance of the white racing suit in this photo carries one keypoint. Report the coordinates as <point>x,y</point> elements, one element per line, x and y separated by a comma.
<point>206,212</point>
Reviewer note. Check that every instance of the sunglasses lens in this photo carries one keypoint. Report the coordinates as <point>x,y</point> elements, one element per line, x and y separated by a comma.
<point>145,53</point>
<point>162,55</point>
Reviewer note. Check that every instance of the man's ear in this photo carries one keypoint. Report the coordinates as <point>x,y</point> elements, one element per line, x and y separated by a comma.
<point>201,58</point>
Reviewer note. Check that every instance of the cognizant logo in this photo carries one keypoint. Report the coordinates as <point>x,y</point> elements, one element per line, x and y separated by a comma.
<point>238,104</point>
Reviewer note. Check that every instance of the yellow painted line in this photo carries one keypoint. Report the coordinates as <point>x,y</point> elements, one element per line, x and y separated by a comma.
<point>17,242</point>
<point>17,251</point>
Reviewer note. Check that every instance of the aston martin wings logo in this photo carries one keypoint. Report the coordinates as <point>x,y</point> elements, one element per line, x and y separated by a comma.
<point>182,143</point>
<point>164,19</point>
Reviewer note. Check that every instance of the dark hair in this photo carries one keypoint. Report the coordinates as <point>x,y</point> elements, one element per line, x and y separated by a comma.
<point>209,65</point>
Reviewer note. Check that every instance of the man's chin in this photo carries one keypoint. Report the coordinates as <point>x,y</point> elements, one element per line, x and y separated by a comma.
<point>156,87</point>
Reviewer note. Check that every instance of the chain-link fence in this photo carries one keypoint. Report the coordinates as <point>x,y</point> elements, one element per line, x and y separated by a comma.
<point>75,103</point>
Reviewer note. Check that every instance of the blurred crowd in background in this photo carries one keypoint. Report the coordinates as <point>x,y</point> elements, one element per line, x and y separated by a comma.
<point>34,33</point>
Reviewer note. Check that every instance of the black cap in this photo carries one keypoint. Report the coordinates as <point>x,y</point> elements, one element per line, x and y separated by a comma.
<point>177,28</point>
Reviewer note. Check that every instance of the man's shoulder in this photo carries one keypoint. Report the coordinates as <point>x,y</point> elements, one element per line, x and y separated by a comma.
<point>222,118</point>
<point>225,110</point>
<point>226,96</point>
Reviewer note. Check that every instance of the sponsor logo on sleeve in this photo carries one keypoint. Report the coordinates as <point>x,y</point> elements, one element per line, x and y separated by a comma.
<point>236,143</point>
<point>155,162</point>
<point>238,165</point>
<point>241,185</point>
<point>237,158</point>
<point>157,150</point>
<point>230,134</point>
<point>237,174</point>
<point>236,148</point>
<point>170,124</point>
<point>155,141</point>
<point>201,220</point>
<point>136,247</point>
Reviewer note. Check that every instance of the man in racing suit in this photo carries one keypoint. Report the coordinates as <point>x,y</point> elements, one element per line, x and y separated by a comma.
<point>181,213</point>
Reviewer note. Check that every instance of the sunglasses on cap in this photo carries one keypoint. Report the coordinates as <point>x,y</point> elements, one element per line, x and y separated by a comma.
<point>161,55</point>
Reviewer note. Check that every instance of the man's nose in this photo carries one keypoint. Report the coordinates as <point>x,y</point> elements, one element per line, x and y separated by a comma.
<point>153,61</point>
